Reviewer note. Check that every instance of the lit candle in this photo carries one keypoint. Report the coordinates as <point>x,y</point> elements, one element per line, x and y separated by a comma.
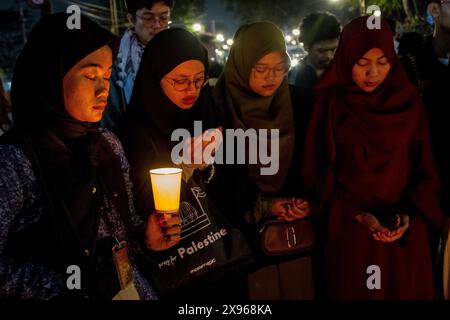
<point>166,184</point>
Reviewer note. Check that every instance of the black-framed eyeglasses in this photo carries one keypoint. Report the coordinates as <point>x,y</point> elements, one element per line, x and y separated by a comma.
<point>184,84</point>
<point>162,20</point>
<point>262,72</point>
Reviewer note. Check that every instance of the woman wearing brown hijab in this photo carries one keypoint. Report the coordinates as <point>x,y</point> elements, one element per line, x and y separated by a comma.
<point>253,94</point>
<point>368,157</point>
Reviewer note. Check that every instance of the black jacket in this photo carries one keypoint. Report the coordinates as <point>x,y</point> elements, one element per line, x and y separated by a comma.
<point>432,78</point>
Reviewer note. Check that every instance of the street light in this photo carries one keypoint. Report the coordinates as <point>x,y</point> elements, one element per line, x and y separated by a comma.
<point>296,32</point>
<point>197,27</point>
<point>220,37</point>
<point>230,42</point>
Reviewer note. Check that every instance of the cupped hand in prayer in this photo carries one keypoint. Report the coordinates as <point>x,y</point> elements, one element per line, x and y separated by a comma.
<point>381,232</point>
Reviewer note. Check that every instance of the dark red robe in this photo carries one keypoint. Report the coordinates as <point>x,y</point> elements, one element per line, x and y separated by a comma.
<point>370,152</point>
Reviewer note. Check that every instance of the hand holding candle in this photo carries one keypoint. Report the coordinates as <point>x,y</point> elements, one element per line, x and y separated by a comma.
<point>164,225</point>
<point>163,231</point>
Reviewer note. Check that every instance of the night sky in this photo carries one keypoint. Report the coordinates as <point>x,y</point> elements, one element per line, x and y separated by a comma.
<point>215,10</point>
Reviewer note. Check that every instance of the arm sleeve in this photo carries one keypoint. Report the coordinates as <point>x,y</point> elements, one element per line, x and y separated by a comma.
<point>17,183</point>
<point>424,191</point>
<point>137,222</point>
<point>261,209</point>
<point>319,154</point>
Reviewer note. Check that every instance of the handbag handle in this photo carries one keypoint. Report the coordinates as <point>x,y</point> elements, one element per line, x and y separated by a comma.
<point>291,236</point>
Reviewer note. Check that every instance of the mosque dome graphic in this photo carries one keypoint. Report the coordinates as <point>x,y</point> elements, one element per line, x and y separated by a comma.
<point>192,219</point>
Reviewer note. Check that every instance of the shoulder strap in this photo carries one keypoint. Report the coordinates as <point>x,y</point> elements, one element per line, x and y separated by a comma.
<point>413,61</point>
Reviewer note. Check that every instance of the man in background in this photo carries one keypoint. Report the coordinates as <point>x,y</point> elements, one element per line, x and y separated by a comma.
<point>147,18</point>
<point>319,33</point>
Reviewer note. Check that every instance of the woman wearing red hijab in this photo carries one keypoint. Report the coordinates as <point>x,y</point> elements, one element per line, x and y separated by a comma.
<point>368,157</point>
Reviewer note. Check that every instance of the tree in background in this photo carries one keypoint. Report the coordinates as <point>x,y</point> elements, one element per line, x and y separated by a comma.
<point>410,14</point>
<point>188,11</point>
<point>112,14</point>
<point>399,9</point>
<point>277,11</point>
<point>287,13</point>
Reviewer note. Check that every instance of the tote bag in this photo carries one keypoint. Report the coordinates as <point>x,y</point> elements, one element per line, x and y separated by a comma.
<point>210,247</point>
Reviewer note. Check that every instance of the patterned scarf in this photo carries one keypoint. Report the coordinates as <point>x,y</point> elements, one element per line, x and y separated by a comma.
<point>128,61</point>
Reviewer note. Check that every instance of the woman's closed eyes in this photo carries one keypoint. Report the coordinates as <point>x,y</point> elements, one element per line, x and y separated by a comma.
<point>365,62</point>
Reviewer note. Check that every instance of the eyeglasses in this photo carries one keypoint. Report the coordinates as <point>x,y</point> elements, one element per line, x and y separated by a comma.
<point>445,1</point>
<point>184,84</point>
<point>161,20</point>
<point>263,72</point>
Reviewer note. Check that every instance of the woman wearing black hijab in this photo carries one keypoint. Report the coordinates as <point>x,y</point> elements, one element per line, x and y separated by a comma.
<point>65,196</point>
<point>163,101</point>
<point>170,93</point>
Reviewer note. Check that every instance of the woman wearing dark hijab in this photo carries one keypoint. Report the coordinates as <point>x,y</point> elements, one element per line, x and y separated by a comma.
<point>65,195</point>
<point>165,99</point>
<point>253,94</point>
<point>171,93</point>
<point>367,155</point>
